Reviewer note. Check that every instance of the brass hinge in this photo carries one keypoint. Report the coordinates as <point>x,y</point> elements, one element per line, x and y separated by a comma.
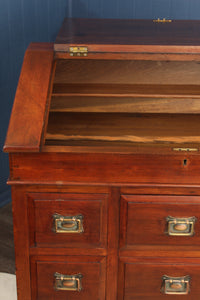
<point>186,149</point>
<point>162,20</point>
<point>78,51</point>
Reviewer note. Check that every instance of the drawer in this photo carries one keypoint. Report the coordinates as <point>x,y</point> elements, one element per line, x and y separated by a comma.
<point>148,279</point>
<point>74,278</point>
<point>146,165</point>
<point>160,220</point>
<point>67,220</point>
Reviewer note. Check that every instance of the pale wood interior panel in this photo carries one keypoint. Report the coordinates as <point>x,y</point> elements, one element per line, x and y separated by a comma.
<point>124,104</point>
<point>142,102</point>
<point>127,72</point>
<point>125,89</point>
<point>119,127</point>
<point>126,86</point>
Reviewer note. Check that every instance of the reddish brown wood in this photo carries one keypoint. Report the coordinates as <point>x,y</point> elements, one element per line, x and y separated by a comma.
<point>82,146</point>
<point>68,251</point>
<point>143,278</point>
<point>124,190</point>
<point>71,103</point>
<point>157,129</point>
<point>123,75</point>
<point>134,188</point>
<point>92,207</point>
<point>111,168</point>
<point>93,281</point>
<point>160,251</point>
<point>159,189</point>
<point>61,188</point>
<point>148,214</point>
<point>121,279</point>
<point>113,240</point>
<point>27,120</point>
<point>125,90</point>
<point>21,239</point>
<point>48,102</point>
<point>111,35</point>
<point>134,56</point>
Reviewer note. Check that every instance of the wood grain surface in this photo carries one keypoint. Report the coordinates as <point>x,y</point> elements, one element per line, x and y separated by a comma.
<point>93,270</point>
<point>146,128</point>
<point>93,208</point>
<point>117,90</point>
<point>148,214</point>
<point>125,104</point>
<point>113,33</point>
<point>126,72</point>
<point>99,110</point>
<point>94,168</point>
<point>27,119</point>
<point>143,277</point>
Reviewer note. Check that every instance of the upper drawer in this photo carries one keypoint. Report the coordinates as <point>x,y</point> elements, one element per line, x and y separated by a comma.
<point>160,220</point>
<point>68,220</point>
<point>147,165</point>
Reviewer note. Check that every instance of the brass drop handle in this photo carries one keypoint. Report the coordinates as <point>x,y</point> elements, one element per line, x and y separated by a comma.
<point>175,285</point>
<point>68,282</point>
<point>68,224</point>
<point>180,226</point>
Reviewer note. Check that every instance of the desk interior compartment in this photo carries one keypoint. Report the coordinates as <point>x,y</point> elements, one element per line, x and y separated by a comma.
<point>108,102</point>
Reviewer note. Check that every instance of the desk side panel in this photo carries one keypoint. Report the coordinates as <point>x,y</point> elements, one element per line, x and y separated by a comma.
<point>28,113</point>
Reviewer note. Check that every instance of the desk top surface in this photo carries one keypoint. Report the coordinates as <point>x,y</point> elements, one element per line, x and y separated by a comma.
<point>98,34</point>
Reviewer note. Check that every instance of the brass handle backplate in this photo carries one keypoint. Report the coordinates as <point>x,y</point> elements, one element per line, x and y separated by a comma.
<point>180,226</point>
<point>175,285</point>
<point>68,224</point>
<point>68,282</point>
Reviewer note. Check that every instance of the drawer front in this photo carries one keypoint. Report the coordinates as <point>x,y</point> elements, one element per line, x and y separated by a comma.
<point>159,280</point>
<point>68,220</point>
<point>74,278</point>
<point>160,220</point>
<point>175,167</point>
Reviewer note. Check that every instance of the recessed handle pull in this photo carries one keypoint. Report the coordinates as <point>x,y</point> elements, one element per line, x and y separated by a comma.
<point>180,226</point>
<point>68,224</point>
<point>175,285</point>
<point>68,282</point>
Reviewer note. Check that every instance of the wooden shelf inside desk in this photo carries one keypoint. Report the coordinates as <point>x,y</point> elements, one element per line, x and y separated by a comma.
<point>121,127</point>
<point>120,103</point>
<point>98,89</point>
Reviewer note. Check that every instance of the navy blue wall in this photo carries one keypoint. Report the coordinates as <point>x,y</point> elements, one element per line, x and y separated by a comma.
<point>23,21</point>
<point>137,9</point>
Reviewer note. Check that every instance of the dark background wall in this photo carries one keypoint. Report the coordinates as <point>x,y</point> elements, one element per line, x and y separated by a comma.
<point>137,9</point>
<point>23,21</point>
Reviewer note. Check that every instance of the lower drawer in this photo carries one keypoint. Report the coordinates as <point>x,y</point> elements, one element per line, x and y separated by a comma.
<point>148,279</point>
<point>74,278</point>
